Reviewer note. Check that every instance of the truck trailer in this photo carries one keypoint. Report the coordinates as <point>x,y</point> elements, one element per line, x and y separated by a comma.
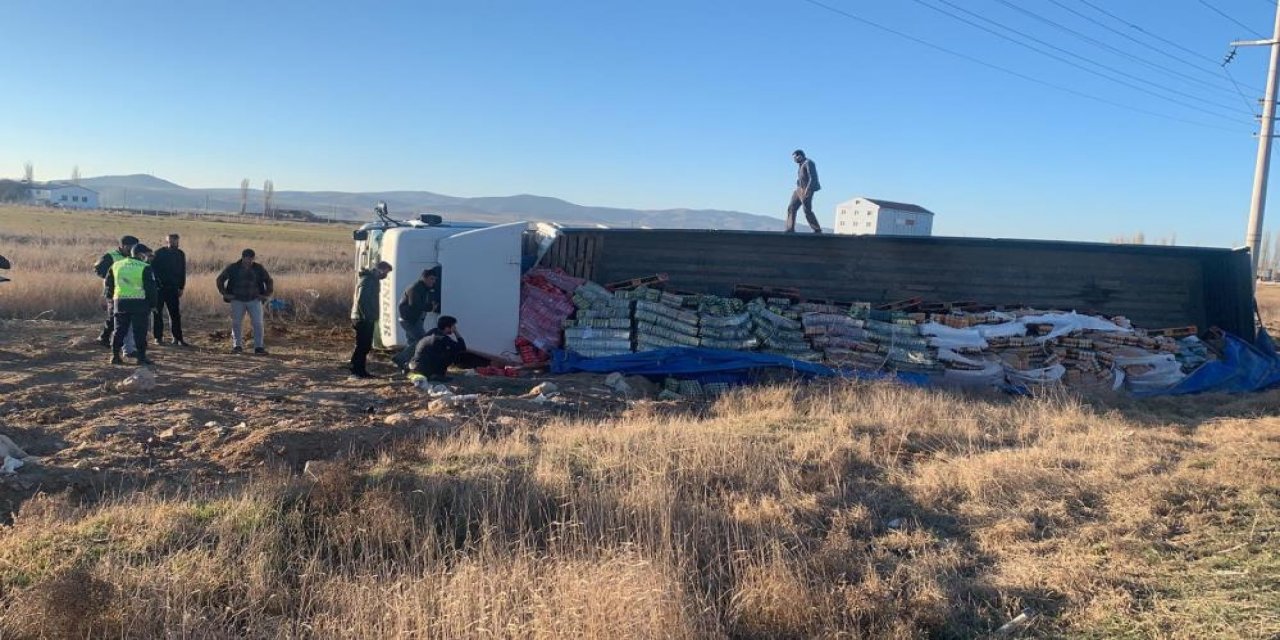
<point>481,266</point>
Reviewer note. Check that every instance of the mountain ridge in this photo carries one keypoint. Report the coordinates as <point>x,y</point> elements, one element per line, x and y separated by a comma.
<point>147,191</point>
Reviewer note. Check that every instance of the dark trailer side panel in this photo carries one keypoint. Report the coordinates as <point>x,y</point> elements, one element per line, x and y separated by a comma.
<point>1153,286</point>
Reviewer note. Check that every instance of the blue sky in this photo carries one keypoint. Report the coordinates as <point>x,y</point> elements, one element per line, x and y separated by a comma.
<point>656,104</point>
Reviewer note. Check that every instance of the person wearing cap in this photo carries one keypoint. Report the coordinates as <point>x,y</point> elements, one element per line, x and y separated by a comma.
<point>131,286</point>
<point>103,268</point>
<point>246,285</point>
<point>418,304</point>
<point>806,185</point>
<point>364,316</point>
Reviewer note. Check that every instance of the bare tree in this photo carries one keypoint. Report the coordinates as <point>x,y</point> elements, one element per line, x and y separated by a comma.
<point>268,196</point>
<point>244,195</point>
<point>1264,251</point>
<point>28,172</point>
<point>1275,255</point>
<point>75,174</point>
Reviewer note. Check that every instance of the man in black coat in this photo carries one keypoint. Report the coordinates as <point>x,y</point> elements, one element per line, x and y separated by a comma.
<point>170,268</point>
<point>419,300</point>
<point>364,316</point>
<point>806,185</point>
<point>435,352</point>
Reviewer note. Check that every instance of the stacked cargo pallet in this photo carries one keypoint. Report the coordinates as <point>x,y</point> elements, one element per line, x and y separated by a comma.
<point>545,302</point>
<point>778,327</point>
<point>664,323</point>
<point>839,336</point>
<point>602,325</point>
<point>723,323</point>
<point>966,347</point>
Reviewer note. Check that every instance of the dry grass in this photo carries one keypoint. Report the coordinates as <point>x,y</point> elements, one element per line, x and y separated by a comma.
<point>53,253</point>
<point>1269,305</point>
<point>852,511</point>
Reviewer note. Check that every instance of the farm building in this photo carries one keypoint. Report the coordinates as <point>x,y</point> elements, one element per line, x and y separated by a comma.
<point>871,216</point>
<point>64,194</point>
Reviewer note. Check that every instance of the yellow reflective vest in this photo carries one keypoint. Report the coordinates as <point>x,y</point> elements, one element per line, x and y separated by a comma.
<point>127,276</point>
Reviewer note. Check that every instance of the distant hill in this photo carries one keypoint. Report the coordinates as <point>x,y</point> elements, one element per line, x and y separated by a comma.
<point>143,191</point>
<point>132,181</point>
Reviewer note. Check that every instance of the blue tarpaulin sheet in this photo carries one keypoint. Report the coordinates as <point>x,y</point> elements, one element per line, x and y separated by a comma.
<point>706,365</point>
<point>1243,367</point>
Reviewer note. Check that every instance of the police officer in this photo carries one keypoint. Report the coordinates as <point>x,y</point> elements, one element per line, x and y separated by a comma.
<point>103,268</point>
<point>131,286</point>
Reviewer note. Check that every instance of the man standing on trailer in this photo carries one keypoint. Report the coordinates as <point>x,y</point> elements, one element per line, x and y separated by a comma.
<point>806,185</point>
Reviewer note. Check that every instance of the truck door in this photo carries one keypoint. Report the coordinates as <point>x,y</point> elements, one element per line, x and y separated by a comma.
<point>480,286</point>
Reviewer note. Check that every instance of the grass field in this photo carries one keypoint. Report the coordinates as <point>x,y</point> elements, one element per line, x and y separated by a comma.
<point>53,253</point>
<point>842,510</point>
<point>852,511</point>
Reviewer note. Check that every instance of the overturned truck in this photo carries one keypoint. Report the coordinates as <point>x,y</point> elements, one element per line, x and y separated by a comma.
<point>481,267</point>
<point>1154,286</point>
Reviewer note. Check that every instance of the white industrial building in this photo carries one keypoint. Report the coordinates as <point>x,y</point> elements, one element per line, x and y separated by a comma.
<point>872,216</point>
<point>64,194</point>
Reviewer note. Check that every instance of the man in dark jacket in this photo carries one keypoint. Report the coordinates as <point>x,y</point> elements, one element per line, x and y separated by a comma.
<point>364,316</point>
<point>170,267</point>
<point>246,285</point>
<point>419,300</point>
<point>806,185</point>
<point>131,286</point>
<point>437,350</point>
<point>102,268</point>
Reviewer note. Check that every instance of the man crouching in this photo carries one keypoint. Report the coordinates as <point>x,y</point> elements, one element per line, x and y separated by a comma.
<point>435,352</point>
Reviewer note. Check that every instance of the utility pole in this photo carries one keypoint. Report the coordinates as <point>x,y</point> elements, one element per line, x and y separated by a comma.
<point>1257,205</point>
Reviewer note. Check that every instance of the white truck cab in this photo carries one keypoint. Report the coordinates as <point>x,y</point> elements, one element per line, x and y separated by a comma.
<point>480,269</point>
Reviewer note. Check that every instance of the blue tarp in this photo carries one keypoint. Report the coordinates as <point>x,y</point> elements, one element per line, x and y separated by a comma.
<point>704,365</point>
<point>1243,367</point>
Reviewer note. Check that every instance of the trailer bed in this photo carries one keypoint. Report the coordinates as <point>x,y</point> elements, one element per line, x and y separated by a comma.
<point>1154,286</point>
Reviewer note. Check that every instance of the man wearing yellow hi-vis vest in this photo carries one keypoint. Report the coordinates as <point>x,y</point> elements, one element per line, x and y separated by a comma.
<point>102,269</point>
<point>131,286</point>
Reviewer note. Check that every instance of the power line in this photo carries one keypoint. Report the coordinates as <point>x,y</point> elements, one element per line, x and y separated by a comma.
<point>1170,42</point>
<point>1077,65</point>
<point>1115,50</point>
<point>1148,45</point>
<point>1240,91</point>
<point>1145,32</point>
<point>1238,23</point>
<point>1006,70</point>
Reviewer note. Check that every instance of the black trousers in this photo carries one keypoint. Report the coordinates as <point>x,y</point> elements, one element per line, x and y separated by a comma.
<point>108,327</point>
<point>364,344</point>
<point>135,320</point>
<point>169,299</point>
<point>796,203</point>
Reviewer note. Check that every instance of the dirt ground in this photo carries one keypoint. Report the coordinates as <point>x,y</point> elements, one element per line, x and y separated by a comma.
<point>215,417</point>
